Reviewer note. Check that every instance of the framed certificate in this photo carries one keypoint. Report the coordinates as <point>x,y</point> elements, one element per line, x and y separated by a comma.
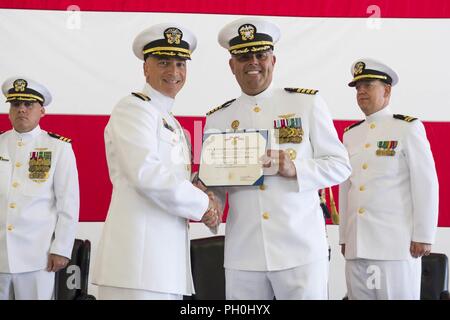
<point>233,158</point>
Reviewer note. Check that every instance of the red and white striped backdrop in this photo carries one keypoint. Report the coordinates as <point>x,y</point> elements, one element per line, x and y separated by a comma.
<point>86,84</point>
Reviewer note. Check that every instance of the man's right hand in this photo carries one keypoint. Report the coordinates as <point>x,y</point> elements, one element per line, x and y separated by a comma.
<point>212,216</point>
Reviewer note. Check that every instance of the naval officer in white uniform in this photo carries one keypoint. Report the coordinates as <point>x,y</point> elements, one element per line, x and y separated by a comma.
<point>275,234</point>
<point>39,196</point>
<point>144,249</point>
<point>389,205</point>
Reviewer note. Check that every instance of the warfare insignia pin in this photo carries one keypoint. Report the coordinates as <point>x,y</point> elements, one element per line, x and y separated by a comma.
<point>286,116</point>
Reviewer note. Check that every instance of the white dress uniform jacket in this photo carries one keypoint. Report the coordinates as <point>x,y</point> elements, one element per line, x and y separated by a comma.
<point>145,242</point>
<point>37,216</point>
<point>281,225</point>
<point>389,200</point>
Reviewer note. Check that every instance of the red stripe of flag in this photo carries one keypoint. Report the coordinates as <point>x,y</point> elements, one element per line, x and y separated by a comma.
<point>86,132</point>
<point>297,8</point>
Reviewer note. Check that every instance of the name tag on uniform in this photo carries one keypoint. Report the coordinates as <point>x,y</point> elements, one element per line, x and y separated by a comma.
<point>3,159</point>
<point>386,148</point>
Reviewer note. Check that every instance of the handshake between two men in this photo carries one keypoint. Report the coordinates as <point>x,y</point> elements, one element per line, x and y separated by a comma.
<point>213,215</point>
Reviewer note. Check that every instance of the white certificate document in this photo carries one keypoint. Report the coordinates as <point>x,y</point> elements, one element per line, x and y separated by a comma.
<point>233,158</point>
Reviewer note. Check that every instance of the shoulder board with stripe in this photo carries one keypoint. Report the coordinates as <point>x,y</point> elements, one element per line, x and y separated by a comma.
<point>353,125</point>
<point>141,96</point>
<point>226,104</point>
<point>404,118</point>
<point>301,90</point>
<point>57,136</point>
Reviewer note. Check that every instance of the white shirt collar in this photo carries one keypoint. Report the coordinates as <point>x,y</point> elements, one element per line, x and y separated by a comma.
<point>25,136</point>
<point>161,101</point>
<point>383,113</point>
<point>260,96</point>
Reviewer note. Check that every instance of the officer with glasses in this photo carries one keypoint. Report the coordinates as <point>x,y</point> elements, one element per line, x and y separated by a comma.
<point>275,240</point>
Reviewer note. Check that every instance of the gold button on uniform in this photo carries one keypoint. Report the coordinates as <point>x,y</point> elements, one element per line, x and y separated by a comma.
<point>365,166</point>
<point>10,227</point>
<point>12,205</point>
<point>362,188</point>
<point>262,187</point>
<point>235,124</point>
<point>367,145</point>
<point>15,184</point>
<point>257,109</point>
<point>291,153</point>
<point>18,164</point>
<point>265,215</point>
<point>372,126</point>
<point>361,210</point>
<point>20,144</point>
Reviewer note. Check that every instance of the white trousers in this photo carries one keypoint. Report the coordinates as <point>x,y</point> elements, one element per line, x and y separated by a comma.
<point>307,282</point>
<point>35,285</point>
<point>116,293</point>
<point>383,279</point>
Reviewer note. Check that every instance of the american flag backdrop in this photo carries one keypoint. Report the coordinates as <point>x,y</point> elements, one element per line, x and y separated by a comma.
<point>81,50</point>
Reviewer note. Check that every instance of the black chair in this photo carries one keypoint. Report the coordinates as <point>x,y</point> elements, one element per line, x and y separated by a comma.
<point>71,283</point>
<point>207,268</point>
<point>434,285</point>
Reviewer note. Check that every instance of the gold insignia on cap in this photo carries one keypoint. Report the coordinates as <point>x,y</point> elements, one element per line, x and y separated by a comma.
<point>235,124</point>
<point>358,68</point>
<point>20,85</point>
<point>247,32</point>
<point>173,35</point>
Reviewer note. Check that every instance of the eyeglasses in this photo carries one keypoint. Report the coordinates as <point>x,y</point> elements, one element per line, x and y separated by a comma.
<point>260,56</point>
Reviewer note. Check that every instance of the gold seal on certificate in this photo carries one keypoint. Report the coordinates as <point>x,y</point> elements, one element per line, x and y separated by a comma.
<point>233,158</point>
